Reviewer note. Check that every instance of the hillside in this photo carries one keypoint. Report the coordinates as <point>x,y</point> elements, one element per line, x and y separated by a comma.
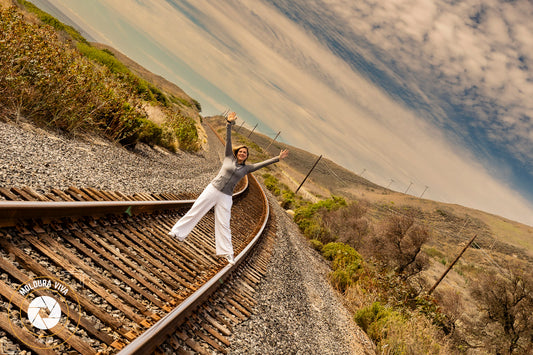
<point>52,76</point>
<point>186,106</point>
<point>453,224</point>
<point>328,178</point>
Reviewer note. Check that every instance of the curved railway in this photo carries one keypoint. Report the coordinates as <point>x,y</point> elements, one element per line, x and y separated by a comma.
<point>122,284</point>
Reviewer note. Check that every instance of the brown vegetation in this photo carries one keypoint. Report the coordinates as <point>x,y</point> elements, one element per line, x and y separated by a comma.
<point>387,287</point>
<point>506,302</point>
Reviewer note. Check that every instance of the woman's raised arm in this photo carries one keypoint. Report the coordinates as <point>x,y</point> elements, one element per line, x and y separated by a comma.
<point>232,116</point>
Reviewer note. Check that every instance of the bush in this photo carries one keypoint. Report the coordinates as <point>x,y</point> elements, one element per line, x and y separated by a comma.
<point>507,303</point>
<point>399,245</point>
<point>346,264</point>
<point>103,57</point>
<point>197,105</point>
<point>349,224</point>
<point>185,130</point>
<point>288,199</point>
<point>394,333</point>
<point>316,244</point>
<point>341,255</point>
<point>271,183</point>
<point>309,218</point>
<point>368,318</point>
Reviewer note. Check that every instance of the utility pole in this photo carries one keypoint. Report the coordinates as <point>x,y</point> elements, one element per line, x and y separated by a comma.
<point>424,191</point>
<point>252,130</point>
<point>451,265</point>
<point>362,172</point>
<point>408,187</point>
<point>309,173</point>
<point>391,181</point>
<point>238,129</point>
<point>273,140</point>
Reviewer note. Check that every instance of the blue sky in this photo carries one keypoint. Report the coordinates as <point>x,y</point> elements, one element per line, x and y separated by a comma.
<point>433,93</point>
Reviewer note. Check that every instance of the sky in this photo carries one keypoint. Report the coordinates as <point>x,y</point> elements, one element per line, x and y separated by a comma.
<point>429,97</point>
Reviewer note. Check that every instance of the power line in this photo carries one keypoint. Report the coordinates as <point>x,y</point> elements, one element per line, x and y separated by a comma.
<point>341,180</point>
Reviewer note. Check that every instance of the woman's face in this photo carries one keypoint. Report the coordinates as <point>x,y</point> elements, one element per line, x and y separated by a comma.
<point>242,154</point>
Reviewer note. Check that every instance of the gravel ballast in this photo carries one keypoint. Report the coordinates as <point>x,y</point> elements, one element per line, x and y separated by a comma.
<point>39,159</point>
<point>297,310</point>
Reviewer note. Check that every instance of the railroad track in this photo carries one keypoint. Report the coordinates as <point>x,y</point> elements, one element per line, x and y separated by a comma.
<point>87,271</point>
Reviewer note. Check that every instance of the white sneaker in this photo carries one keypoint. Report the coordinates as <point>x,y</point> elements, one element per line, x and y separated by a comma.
<point>230,259</point>
<point>176,236</point>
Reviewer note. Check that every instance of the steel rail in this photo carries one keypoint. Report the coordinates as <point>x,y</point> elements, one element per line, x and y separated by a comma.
<point>12,212</point>
<point>155,335</point>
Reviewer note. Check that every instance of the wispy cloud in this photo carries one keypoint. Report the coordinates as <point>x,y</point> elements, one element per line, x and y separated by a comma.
<point>477,56</point>
<point>432,92</point>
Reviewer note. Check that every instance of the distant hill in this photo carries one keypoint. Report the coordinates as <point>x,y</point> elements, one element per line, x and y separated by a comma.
<point>498,238</point>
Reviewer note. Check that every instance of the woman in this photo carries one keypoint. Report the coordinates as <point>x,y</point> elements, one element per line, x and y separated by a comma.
<point>219,194</point>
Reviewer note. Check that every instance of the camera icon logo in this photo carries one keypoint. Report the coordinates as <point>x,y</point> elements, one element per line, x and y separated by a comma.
<point>39,307</point>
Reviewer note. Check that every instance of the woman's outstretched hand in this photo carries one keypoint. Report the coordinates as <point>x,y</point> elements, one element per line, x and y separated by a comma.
<point>284,154</point>
<point>232,116</point>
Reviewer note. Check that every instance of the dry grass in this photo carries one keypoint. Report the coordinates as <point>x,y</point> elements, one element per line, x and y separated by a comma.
<point>6,3</point>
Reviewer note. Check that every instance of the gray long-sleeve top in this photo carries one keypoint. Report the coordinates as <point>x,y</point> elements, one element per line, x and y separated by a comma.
<point>232,172</point>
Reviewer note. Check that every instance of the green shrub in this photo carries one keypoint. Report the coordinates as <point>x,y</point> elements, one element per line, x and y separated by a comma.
<point>343,278</point>
<point>316,244</point>
<point>184,128</point>
<point>288,199</point>
<point>367,316</point>
<point>341,255</point>
<point>272,184</point>
<point>151,133</point>
<point>396,333</point>
<point>104,57</point>
<point>346,264</point>
<point>197,105</point>
<point>309,218</point>
<point>376,320</point>
<point>315,230</point>
<point>310,210</point>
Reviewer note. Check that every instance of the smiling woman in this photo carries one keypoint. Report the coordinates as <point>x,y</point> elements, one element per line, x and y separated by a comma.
<point>219,194</point>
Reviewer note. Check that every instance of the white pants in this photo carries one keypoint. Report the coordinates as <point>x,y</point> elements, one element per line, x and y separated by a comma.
<point>208,198</point>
